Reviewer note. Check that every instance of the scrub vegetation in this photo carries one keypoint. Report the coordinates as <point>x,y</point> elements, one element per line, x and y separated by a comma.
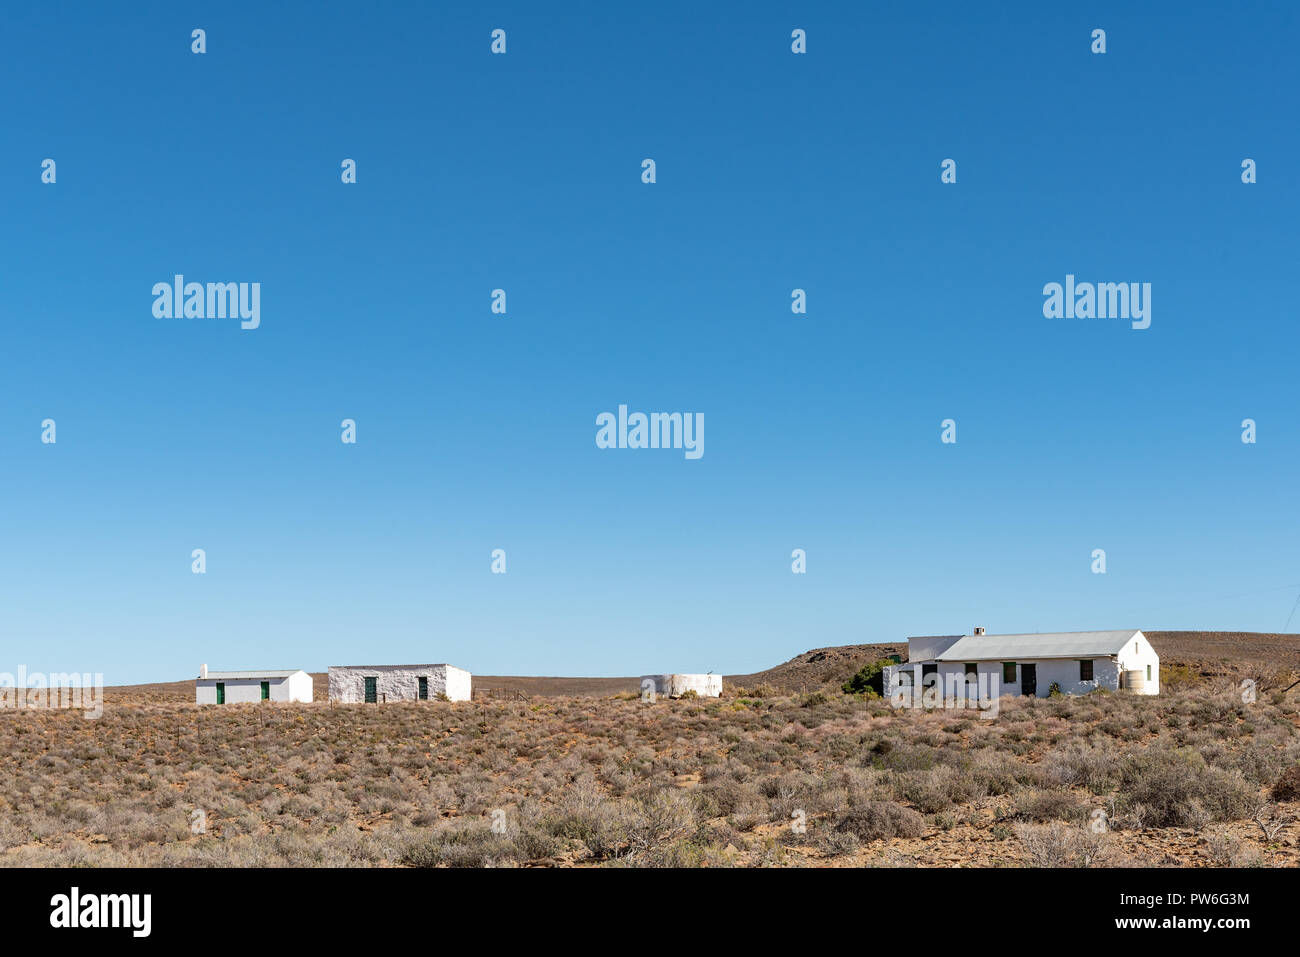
<point>764,776</point>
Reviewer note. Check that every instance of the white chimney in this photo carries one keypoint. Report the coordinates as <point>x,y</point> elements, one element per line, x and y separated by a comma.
<point>203,671</point>
<point>979,629</point>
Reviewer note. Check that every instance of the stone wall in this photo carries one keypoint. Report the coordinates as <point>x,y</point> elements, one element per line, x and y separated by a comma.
<point>398,682</point>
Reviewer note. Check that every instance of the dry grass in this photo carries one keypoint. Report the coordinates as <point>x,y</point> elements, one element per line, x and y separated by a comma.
<point>1176,779</point>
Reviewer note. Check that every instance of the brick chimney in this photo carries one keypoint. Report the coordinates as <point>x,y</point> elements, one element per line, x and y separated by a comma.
<point>203,671</point>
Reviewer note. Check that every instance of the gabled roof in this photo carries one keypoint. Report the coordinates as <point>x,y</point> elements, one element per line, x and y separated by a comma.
<point>1069,644</point>
<point>238,675</point>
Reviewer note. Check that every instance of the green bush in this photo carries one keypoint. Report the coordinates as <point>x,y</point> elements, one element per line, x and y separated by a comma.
<point>869,680</point>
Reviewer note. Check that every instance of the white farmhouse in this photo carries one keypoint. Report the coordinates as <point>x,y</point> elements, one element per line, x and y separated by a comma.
<point>242,687</point>
<point>674,686</point>
<point>378,683</point>
<point>1075,662</point>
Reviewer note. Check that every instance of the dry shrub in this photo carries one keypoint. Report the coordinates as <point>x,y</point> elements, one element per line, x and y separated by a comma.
<point>836,843</point>
<point>1063,845</point>
<point>1174,677</point>
<point>1051,806</point>
<point>1079,764</point>
<point>659,818</point>
<point>463,846</point>
<point>1227,850</point>
<point>879,820</point>
<point>995,773</point>
<point>1287,787</point>
<point>938,789</point>
<point>1177,789</point>
<point>587,816</point>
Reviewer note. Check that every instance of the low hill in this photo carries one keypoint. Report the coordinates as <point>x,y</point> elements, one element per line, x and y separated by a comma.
<point>1234,653</point>
<point>819,667</point>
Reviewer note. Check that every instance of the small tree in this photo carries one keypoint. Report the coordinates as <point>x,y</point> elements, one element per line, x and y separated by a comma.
<point>869,680</point>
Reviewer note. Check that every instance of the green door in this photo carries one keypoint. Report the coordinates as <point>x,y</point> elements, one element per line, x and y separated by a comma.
<point>221,692</point>
<point>424,688</point>
<point>371,693</point>
<point>266,691</point>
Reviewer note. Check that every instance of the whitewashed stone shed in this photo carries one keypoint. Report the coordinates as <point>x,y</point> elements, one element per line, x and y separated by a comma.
<point>242,687</point>
<point>674,686</point>
<point>379,683</point>
<point>1076,662</point>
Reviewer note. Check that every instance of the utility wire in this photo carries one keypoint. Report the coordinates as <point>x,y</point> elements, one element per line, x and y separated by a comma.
<point>1292,615</point>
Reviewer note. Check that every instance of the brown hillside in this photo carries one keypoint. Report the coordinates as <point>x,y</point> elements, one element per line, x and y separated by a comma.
<point>1227,652</point>
<point>819,667</point>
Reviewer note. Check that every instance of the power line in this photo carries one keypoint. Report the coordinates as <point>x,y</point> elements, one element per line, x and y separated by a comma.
<point>1292,615</point>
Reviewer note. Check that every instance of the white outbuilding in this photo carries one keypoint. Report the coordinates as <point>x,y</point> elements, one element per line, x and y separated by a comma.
<point>243,687</point>
<point>1074,662</point>
<point>674,686</point>
<point>378,683</point>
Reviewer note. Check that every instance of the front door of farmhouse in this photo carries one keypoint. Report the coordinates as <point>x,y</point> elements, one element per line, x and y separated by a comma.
<point>1029,679</point>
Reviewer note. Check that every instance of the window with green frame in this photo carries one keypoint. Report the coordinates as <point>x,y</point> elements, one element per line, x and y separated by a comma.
<point>1009,672</point>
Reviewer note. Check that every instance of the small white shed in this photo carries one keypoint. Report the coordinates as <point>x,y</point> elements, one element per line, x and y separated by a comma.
<point>674,686</point>
<point>243,687</point>
<point>373,684</point>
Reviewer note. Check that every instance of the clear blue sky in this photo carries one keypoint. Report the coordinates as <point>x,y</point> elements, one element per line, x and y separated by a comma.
<point>476,431</point>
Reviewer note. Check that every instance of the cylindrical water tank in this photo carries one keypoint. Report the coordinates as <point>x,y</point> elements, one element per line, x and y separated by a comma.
<point>1134,680</point>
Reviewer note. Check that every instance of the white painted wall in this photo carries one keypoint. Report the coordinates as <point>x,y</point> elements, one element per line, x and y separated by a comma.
<point>988,675</point>
<point>1062,671</point>
<point>459,685</point>
<point>296,687</point>
<point>1138,655</point>
<point>674,686</point>
<point>398,682</point>
<point>301,687</point>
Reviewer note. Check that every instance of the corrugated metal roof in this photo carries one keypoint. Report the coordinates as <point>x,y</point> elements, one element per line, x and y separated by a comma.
<point>1070,644</point>
<point>441,664</point>
<point>238,675</point>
